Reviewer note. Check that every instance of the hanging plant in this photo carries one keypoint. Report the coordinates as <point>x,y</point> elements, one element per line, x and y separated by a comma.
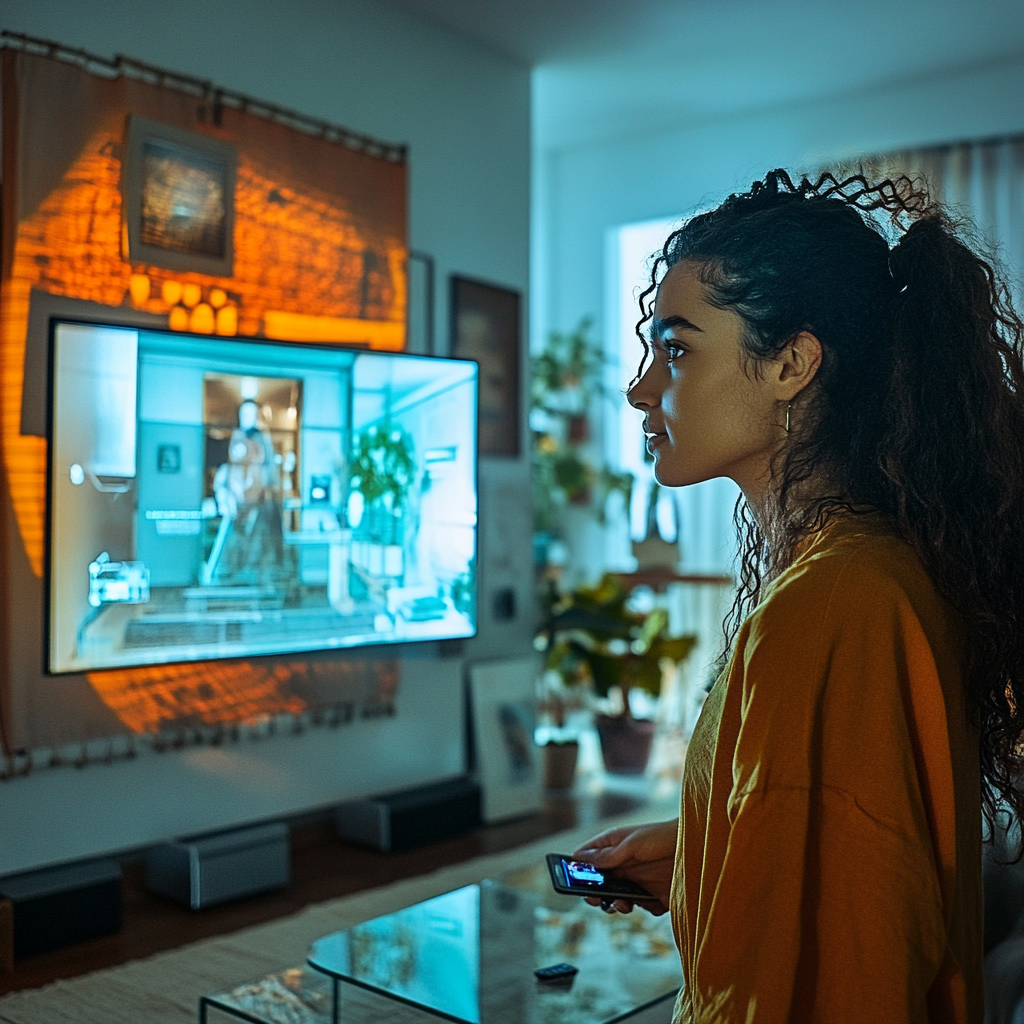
<point>383,465</point>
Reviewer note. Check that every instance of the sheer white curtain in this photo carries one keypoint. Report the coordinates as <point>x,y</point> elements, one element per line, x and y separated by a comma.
<point>984,181</point>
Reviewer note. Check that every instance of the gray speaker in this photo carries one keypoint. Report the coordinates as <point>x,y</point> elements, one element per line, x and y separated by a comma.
<point>207,870</point>
<point>415,817</point>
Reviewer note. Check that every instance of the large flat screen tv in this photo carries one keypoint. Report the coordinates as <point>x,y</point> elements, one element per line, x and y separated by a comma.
<point>213,498</point>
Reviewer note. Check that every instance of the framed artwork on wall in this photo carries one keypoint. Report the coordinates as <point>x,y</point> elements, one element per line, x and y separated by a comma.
<point>504,705</point>
<point>485,326</point>
<point>178,198</point>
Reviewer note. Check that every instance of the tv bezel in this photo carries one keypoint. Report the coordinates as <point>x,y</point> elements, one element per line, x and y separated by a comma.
<point>416,648</point>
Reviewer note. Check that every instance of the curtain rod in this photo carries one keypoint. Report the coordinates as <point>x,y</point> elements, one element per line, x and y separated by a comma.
<point>205,90</point>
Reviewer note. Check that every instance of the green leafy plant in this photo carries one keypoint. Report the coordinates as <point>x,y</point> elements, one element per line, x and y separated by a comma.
<point>566,371</point>
<point>566,375</point>
<point>591,635</point>
<point>383,465</point>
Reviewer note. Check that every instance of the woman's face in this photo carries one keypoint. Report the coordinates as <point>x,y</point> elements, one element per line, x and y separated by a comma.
<point>706,412</point>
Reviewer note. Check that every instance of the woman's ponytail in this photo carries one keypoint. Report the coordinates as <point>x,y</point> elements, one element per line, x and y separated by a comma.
<point>953,455</point>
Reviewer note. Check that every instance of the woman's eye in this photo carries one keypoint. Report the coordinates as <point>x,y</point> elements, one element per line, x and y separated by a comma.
<point>672,350</point>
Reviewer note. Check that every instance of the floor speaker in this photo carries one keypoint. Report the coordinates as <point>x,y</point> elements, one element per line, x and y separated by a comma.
<point>415,817</point>
<point>58,907</point>
<point>207,870</point>
<point>6,937</point>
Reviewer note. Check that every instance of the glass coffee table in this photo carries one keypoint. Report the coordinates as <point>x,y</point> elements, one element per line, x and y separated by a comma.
<point>469,956</point>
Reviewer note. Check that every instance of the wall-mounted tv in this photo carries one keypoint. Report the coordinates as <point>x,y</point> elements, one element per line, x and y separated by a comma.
<point>214,498</point>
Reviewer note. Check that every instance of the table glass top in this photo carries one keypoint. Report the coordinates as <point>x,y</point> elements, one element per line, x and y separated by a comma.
<point>469,955</point>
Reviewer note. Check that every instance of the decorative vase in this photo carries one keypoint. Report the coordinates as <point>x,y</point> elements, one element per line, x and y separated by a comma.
<point>625,743</point>
<point>560,764</point>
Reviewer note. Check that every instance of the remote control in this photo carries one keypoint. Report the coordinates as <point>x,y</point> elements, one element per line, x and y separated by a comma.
<point>559,972</point>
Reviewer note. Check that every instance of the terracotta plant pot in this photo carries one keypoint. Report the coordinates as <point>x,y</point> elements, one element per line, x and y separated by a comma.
<point>625,743</point>
<point>560,764</point>
<point>579,429</point>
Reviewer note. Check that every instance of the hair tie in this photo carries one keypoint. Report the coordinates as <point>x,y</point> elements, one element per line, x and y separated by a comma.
<point>900,288</point>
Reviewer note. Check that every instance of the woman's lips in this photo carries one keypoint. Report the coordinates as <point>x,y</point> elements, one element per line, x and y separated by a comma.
<point>655,441</point>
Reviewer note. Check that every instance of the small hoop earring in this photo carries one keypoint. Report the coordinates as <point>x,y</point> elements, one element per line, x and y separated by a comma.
<point>789,409</point>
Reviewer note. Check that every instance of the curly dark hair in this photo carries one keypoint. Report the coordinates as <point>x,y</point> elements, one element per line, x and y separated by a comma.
<point>916,413</point>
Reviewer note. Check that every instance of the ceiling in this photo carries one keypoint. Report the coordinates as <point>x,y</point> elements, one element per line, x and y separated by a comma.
<point>614,68</point>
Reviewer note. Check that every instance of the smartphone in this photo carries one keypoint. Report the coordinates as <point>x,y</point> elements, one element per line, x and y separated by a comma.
<point>578,878</point>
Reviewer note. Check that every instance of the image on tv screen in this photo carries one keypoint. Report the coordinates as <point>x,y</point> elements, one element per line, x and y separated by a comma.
<point>214,498</point>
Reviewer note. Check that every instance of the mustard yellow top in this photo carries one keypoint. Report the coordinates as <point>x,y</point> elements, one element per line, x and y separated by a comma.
<point>829,859</point>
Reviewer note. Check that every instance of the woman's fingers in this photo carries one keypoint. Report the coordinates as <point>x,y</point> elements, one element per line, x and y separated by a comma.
<point>601,843</point>
<point>620,846</point>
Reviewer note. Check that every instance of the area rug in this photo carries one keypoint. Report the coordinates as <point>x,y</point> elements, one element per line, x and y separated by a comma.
<point>165,988</point>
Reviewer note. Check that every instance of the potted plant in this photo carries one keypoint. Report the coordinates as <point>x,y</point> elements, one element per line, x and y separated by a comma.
<point>592,634</point>
<point>559,702</point>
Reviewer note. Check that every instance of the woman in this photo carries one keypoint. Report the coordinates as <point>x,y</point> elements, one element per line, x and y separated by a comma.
<point>826,864</point>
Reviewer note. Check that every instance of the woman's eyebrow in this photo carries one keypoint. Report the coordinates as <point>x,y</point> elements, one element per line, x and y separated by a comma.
<point>679,323</point>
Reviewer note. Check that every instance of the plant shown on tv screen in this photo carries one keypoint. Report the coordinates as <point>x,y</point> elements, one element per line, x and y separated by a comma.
<point>383,465</point>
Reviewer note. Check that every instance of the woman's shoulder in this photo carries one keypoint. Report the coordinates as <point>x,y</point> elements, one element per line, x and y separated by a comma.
<point>855,615</point>
<point>855,568</point>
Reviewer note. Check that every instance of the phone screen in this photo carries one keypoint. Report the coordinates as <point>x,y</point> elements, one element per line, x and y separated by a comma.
<point>581,878</point>
<point>579,873</point>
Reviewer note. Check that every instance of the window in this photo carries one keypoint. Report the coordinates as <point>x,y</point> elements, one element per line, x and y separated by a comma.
<point>703,512</point>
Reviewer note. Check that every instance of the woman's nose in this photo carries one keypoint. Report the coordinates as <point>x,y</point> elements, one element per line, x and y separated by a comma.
<point>640,394</point>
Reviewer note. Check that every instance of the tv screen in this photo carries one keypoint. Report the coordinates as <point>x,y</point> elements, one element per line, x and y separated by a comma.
<point>214,498</point>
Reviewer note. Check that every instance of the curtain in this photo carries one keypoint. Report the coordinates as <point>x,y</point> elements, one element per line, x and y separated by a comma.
<point>982,181</point>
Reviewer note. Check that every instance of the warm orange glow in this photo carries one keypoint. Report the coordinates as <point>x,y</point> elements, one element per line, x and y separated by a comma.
<point>201,320</point>
<point>227,320</point>
<point>148,699</point>
<point>70,246</point>
<point>378,334</point>
<point>303,259</point>
<point>300,252</point>
<point>178,319</point>
<point>138,288</point>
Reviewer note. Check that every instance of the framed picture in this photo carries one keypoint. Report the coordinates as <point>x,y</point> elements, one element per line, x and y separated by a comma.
<point>485,327</point>
<point>503,698</point>
<point>178,198</point>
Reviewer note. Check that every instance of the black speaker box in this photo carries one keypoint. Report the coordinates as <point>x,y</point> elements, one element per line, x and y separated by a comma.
<point>58,907</point>
<point>415,817</point>
<point>207,870</point>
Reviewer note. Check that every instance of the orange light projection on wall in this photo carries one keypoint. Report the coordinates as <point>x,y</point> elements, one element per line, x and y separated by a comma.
<point>319,255</point>
<point>299,277</point>
<point>179,696</point>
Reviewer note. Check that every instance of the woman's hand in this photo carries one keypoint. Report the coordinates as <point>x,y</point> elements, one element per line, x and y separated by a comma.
<point>644,854</point>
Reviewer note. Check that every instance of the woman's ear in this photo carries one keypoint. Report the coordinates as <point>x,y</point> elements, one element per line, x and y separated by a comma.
<point>796,365</point>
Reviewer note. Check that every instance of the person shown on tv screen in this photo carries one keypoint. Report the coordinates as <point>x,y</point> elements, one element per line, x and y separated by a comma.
<point>247,488</point>
<point>841,351</point>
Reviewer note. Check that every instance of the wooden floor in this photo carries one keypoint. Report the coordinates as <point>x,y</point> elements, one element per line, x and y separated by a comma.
<point>323,867</point>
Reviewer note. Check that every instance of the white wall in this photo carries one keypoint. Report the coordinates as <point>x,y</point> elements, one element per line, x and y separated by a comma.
<point>586,191</point>
<point>464,111</point>
<point>62,814</point>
